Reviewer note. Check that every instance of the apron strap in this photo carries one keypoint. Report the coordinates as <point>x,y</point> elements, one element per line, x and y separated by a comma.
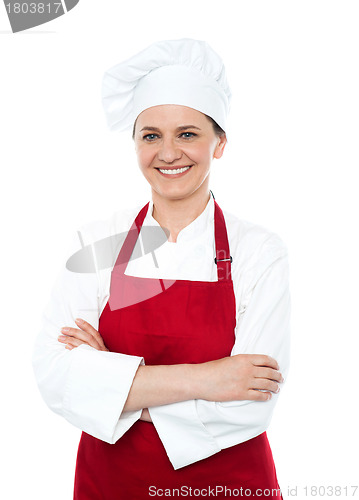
<point>222,259</point>
<point>128,245</point>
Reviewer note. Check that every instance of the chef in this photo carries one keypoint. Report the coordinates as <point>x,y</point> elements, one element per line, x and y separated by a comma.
<point>169,355</point>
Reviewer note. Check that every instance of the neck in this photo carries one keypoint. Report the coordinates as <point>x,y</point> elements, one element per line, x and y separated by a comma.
<point>176,214</point>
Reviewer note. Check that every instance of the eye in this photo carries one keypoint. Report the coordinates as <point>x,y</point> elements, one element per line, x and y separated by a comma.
<point>188,135</point>
<point>150,137</point>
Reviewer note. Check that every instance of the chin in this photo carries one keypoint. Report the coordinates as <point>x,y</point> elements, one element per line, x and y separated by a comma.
<point>174,192</point>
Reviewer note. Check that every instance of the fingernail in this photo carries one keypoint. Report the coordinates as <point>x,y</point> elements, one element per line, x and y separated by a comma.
<point>277,390</point>
<point>79,320</point>
<point>65,329</point>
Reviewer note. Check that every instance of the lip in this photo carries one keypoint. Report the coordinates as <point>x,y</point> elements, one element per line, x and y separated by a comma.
<point>175,167</point>
<point>174,176</point>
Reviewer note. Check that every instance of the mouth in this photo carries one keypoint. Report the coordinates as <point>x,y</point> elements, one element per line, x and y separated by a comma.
<point>174,172</point>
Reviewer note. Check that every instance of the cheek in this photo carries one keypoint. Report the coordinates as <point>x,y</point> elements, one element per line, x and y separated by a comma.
<point>144,157</point>
<point>200,154</point>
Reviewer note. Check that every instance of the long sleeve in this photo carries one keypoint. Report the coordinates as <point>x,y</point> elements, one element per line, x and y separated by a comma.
<point>85,386</point>
<point>195,429</point>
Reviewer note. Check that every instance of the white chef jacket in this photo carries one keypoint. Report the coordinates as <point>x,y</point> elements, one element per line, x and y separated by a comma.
<point>89,388</point>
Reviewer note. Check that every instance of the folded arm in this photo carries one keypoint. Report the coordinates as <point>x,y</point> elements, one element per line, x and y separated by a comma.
<point>198,428</point>
<point>196,409</point>
<point>86,386</point>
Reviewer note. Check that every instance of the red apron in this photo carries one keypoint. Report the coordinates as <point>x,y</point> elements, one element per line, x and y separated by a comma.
<point>182,321</point>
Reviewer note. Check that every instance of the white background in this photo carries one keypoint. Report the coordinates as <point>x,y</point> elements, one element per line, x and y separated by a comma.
<point>291,165</point>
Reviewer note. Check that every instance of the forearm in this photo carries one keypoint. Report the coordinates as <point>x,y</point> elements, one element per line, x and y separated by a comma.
<point>238,377</point>
<point>164,384</point>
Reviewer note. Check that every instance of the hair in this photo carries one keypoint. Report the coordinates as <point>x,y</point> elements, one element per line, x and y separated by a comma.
<point>217,129</point>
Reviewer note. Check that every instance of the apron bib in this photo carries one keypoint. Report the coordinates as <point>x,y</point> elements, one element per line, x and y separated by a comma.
<point>182,321</point>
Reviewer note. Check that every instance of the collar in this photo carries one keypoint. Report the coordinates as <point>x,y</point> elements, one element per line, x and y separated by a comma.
<point>196,228</point>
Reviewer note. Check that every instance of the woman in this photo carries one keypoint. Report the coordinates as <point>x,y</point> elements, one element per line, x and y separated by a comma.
<point>174,370</point>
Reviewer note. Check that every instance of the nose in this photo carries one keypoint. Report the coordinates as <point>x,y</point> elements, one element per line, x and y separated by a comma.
<point>169,151</point>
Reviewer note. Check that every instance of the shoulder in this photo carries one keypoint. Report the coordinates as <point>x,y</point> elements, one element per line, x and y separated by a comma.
<point>251,235</point>
<point>115,223</point>
<point>254,247</point>
<point>95,244</point>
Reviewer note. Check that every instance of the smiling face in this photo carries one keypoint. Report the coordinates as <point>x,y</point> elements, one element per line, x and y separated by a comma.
<point>175,146</point>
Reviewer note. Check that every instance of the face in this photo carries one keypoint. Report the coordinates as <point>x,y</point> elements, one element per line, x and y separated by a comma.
<point>175,146</point>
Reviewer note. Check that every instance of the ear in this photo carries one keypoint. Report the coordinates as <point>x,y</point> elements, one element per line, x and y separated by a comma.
<point>222,141</point>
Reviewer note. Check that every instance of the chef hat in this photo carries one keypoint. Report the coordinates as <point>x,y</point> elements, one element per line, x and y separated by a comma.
<point>185,71</point>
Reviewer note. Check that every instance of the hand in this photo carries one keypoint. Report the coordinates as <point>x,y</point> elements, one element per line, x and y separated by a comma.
<point>86,335</point>
<point>241,377</point>
<point>145,415</point>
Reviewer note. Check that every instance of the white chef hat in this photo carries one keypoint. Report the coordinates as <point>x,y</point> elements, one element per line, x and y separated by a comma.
<point>185,71</point>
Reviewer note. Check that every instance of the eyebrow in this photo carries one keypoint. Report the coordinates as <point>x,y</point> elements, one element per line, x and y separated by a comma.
<point>178,129</point>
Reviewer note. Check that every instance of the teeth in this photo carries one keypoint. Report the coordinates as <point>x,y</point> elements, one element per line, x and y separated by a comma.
<point>174,171</point>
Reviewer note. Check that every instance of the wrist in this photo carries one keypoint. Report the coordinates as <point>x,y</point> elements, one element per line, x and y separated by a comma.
<point>196,381</point>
